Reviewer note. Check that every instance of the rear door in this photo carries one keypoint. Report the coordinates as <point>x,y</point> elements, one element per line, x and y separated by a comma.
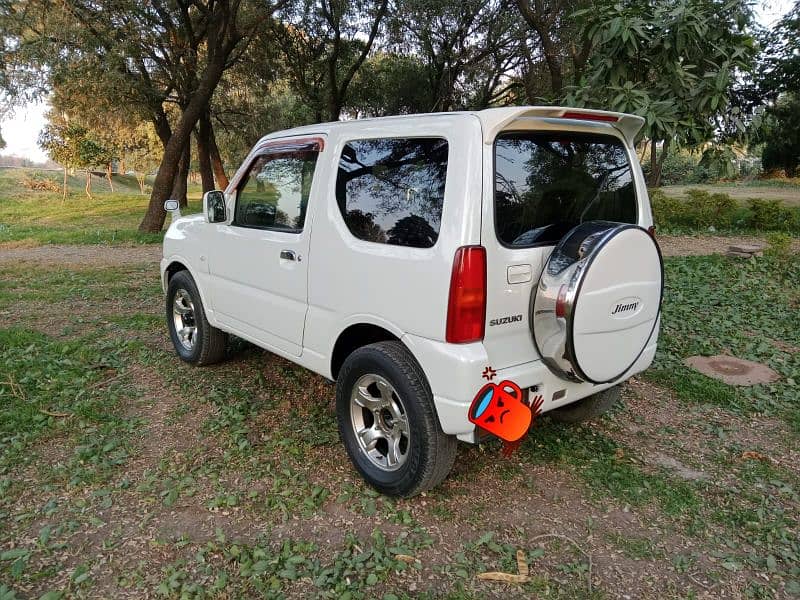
<point>259,264</point>
<point>539,183</point>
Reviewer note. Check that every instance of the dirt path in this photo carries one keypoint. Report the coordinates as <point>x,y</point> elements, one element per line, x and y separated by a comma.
<point>86,256</point>
<point>111,256</point>
<point>690,245</point>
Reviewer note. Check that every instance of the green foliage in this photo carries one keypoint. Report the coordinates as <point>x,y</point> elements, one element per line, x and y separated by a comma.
<point>679,168</point>
<point>771,215</point>
<point>672,63</point>
<point>781,135</point>
<point>41,216</point>
<point>715,305</point>
<point>71,146</point>
<point>779,245</point>
<point>701,210</point>
<point>47,382</point>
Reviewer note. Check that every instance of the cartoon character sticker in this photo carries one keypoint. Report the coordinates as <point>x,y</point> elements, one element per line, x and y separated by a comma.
<point>500,409</point>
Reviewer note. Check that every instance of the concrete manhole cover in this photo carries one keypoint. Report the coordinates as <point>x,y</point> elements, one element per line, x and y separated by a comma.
<point>732,370</point>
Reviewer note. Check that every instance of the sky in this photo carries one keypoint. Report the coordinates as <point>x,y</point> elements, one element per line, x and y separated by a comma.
<point>21,129</point>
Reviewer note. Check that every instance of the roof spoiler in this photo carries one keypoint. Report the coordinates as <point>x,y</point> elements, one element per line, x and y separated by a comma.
<point>628,125</point>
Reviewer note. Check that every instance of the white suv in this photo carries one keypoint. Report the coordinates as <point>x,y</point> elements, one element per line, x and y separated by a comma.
<point>412,259</point>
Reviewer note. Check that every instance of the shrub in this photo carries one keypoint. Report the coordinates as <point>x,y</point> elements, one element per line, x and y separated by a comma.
<point>700,210</point>
<point>708,210</point>
<point>770,215</point>
<point>38,183</point>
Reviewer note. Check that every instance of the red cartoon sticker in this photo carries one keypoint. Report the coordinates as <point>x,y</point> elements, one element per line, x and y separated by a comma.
<point>499,409</point>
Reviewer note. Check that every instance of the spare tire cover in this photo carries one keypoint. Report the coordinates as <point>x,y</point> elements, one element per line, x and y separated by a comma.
<point>598,301</point>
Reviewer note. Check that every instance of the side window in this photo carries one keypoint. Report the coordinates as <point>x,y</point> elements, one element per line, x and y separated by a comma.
<point>391,190</point>
<point>274,193</point>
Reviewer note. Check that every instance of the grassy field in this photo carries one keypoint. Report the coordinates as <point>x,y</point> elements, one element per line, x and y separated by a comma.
<point>787,191</point>
<point>42,217</point>
<point>125,473</point>
<point>33,217</point>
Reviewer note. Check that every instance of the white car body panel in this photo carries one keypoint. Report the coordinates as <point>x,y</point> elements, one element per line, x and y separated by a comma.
<point>299,309</point>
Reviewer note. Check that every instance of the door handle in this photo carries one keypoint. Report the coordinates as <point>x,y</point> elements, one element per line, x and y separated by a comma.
<point>288,255</point>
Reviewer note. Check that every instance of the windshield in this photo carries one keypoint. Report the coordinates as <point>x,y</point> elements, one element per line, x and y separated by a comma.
<point>548,182</point>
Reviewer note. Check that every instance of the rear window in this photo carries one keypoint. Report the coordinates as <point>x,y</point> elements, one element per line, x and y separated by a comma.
<point>548,182</point>
<point>391,190</point>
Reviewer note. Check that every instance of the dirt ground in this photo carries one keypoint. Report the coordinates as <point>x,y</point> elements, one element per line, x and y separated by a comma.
<point>140,542</point>
<point>108,256</point>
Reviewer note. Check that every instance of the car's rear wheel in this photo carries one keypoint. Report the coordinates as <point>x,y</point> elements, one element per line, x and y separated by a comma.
<point>193,337</point>
<point>388,423</point>
<point>588,408</point>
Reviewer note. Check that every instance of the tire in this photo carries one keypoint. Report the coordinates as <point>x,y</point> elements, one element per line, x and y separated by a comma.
<point>588,408</point>
<point>193,337</point>
<point>393,397</point>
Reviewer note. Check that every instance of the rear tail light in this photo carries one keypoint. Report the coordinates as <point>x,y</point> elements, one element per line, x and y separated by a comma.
<point>582,116</point>
<point>561,302</point>
<point>466,309</point>
<point>652,231</point>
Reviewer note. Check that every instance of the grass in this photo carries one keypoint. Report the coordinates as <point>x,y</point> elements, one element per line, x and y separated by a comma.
<point>785,190</point>
<point>229,481</point>
<point>745,308</point>
<point>42,217</point>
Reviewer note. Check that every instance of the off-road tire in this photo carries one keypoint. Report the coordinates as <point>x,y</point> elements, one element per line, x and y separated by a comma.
<point>588,408</point>
<point>431,453</point>
<point>210,343</point>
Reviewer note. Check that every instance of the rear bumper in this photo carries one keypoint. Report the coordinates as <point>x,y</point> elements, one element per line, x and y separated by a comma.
<point>455,374</point>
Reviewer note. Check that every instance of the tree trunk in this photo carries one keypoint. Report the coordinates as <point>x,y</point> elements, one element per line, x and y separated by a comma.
<point>204,155</point>
<point>657,164</point>
<point>653,163</point>
<point>216,159</point>
<point>108,174</point>
<point>153,220</point>
<point>88,183</point>
<point>64,195</point>
<point>180,186</point>
<point>140,181</point>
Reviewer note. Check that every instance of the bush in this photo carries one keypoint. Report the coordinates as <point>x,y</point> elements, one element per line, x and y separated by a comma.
<point>700,210</point>
<point>770,215</point>
<point>37,182</point>
<point>681,168</point>
<point>709,210</point>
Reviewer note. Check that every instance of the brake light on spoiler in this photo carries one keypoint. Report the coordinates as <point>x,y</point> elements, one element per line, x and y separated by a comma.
<point>588,116</point>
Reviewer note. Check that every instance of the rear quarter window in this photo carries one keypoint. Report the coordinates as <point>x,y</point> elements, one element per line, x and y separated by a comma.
<point>391,190</point>
<point>548,182</point>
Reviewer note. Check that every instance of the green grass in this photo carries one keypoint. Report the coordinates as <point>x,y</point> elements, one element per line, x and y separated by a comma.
<point>50,387</point>
<point>787,191</point>
<point>266,461</point>
<point>717,305</point>
<point>42,217</point>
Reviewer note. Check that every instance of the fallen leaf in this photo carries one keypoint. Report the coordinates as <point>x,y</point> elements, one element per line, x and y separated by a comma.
<point>504,577</point>
<point>406,558</point>
<point>522,563</point>
<point>753,455</point>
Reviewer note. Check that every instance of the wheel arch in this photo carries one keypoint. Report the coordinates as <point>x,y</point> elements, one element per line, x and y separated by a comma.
<point>173,267</point>
<point>355,336</point>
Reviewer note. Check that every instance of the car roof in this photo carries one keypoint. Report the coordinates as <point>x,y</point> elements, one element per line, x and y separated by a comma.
<point>493,120</point>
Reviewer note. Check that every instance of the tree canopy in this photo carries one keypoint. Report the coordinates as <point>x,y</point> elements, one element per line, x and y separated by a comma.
<point>225,72</point>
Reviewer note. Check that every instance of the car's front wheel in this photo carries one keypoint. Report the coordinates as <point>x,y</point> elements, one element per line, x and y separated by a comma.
<point>195,340</point>
<point>388,423</point>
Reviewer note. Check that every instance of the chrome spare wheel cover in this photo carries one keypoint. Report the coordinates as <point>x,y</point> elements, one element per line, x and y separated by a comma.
<point>183,319</point>
<point>380,422</point>
<point>598,301</point>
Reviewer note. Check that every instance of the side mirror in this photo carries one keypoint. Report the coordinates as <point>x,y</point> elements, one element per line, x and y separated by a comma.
<point>174,207</point>
<point>214,206</point>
